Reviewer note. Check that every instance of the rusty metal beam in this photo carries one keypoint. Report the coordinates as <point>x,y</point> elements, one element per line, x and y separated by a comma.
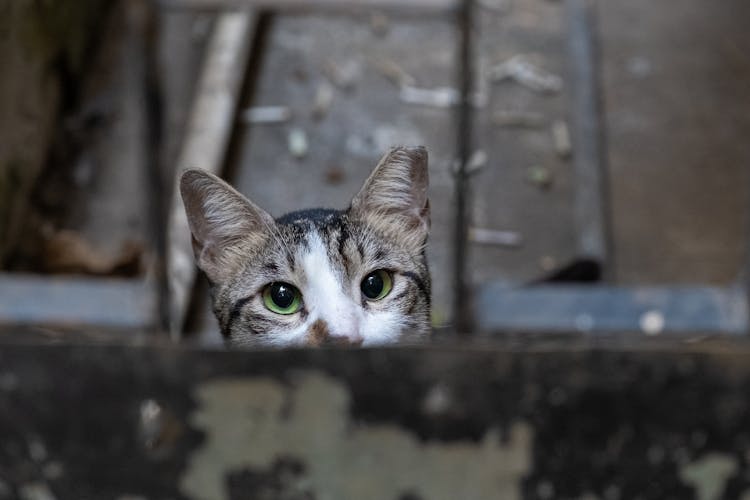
<point>598,309</point>
<point>312,5</point>
<point>465,119</point>
<point>591,194</point>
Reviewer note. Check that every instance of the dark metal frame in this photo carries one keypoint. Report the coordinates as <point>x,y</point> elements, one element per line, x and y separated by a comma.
<point>604,308</point>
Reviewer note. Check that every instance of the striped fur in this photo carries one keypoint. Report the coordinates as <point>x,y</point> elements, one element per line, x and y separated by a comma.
<point>324,253</point>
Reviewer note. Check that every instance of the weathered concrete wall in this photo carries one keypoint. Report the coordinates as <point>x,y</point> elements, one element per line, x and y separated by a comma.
<point>43,47</point>
<point>553,421</point>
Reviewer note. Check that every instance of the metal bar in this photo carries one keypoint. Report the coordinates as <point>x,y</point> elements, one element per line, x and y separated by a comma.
<point>308,5</point>
<point>205,144</point>
<point>45,300</point>
<point>461,309</point>
<point>744,278</point>
<point>145,16</point>
<point>604,309</point>
<point>588,136</point>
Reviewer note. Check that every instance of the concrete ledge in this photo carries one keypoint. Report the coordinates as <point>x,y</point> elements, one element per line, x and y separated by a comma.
<point>658,421</point>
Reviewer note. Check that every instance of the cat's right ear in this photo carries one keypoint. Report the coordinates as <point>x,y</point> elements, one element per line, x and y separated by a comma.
<point>394,197</point>
<point>222,222</point>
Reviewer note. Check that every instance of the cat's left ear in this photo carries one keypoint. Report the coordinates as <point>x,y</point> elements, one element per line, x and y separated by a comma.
<point>223,223</point>
<point>394,197</point>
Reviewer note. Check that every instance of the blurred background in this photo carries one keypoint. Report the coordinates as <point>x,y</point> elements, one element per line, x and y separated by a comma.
<point>590,190</point>
<point>588,160</point>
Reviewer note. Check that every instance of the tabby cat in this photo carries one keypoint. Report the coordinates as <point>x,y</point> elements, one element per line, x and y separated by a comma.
<point>353,277</point>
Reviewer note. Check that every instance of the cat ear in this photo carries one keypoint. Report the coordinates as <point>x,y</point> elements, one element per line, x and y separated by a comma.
<point>221,220</point>
<point>394,197</point>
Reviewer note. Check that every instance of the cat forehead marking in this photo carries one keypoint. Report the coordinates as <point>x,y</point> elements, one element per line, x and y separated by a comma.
<point>325,294</point>
<point>315,216</point>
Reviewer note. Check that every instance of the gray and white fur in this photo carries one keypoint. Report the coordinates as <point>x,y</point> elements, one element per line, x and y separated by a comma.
<point>324,254</point>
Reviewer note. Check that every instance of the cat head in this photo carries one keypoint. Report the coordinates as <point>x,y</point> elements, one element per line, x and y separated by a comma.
<point>356,276</point>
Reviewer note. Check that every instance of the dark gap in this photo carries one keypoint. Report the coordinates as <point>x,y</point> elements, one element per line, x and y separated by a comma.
<point>461,306</point>
<point>158,187</point>
<point>247,94</point>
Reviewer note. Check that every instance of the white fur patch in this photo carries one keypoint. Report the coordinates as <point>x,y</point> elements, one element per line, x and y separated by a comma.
<point>330,297</point>
<point>325,295</point>
<point>382,328</point>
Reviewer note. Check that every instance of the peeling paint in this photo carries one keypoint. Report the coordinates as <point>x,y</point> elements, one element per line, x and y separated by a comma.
<point>251,422</point>
<point>709,475</point>
<point>35,491</point>
<point>588,496</point>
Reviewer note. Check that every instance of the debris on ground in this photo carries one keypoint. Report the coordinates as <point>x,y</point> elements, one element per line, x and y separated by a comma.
<point>639,67</point>
<point>261,115</point>
<point>438,97</point>
<point>322,101</point>
<point>66,251</point>
<point>477,161</point>
<point>438,317</point>
<point>343,75</point>
<point>652,322</point>
<point>480,98</point>
<point>548,263</point>
<point>335,175</point>
<point>511,239</point>
<point>540,176</point>
<point>499,6</point>
<point>517,119</point>
<point>379,24</point>
<point>297,143</point>
<point>519,69</point>
<point>393,72</point>
<point>561,139</point>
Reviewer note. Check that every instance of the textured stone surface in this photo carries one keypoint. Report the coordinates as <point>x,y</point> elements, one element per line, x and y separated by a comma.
<point>676,90</point>
<point>503,197</point>
<point>529,419</point>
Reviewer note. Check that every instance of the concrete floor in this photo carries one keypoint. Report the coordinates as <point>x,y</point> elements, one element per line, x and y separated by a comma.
<point>677,95</point>
<point>503,198</point>
<point>676,85</point>
<point>675,88</point>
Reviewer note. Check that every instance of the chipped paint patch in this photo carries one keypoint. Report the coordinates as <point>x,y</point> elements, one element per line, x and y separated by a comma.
<point>588,496</point>
<point>709,475</point>
<point>250,422</point>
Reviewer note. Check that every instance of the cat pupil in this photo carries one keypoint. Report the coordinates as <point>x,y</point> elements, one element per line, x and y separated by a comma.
<point>372,285</point>
<point>282,295</point>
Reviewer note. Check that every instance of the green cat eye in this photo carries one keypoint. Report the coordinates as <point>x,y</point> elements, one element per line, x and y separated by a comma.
<point>377,284</point>
<point>282,298</point>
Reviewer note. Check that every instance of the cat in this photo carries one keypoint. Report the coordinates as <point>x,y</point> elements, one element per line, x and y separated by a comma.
<point>356,277</point>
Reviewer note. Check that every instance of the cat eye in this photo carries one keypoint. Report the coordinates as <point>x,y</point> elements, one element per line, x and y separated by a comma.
<point>377,284</point>
<point>282,298</point>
